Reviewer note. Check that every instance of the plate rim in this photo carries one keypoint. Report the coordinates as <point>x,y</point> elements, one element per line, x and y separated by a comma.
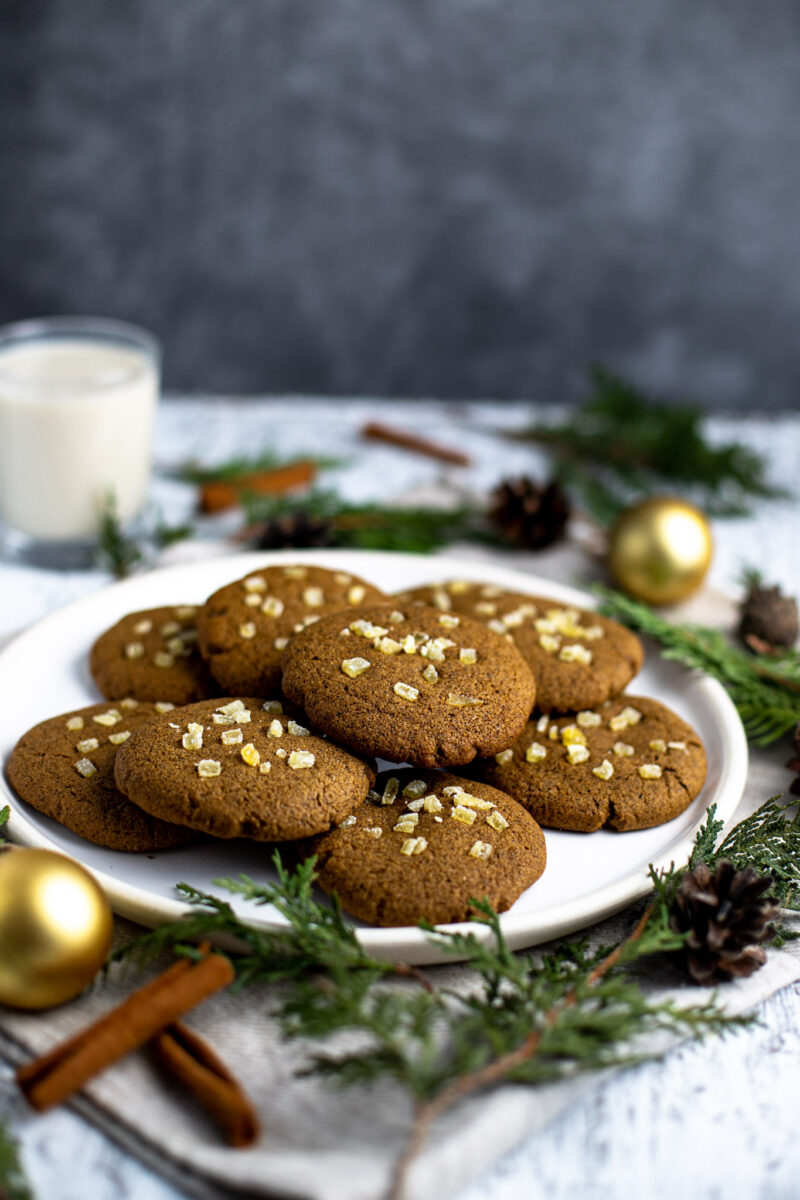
<point>393,943</point>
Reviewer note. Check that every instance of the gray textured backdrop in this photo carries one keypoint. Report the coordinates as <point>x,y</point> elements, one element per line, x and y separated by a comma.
<point>451,197</point>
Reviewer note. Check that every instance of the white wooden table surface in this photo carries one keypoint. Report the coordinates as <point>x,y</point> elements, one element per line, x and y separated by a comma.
<point>711,1120</point>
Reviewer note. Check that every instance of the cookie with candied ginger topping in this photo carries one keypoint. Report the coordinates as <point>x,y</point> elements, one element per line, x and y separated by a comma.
<point>629,764</point>
<point>578,659</point>
<point>419,686</point>
<point>153,655</point>
<point>64,768</point>
<point>424,844</point>
<point>245,626</point>
<point>241,768</point>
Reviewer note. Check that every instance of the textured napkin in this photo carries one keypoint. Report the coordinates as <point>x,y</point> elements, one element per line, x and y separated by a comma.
<point>326,1144</point>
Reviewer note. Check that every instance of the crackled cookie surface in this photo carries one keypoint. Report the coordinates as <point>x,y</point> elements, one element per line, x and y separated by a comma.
<point>578,658</point>
<point>153,655</point>
<point>241,768</point>
<point>245,626</point>
<point>424,844</point>
<point>630,764</point>
<point>418,686</point>
<point>64,768</point>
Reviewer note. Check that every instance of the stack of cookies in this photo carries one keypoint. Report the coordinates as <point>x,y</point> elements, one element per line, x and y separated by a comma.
<point>261,715</point>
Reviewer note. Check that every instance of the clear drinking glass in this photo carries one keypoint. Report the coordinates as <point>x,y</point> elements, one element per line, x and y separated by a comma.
<point>78,398</point>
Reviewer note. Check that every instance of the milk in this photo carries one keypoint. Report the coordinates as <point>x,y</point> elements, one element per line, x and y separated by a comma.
<point>76,422</point>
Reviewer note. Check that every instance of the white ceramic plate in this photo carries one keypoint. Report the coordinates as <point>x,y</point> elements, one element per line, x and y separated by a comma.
<point>588,877</point>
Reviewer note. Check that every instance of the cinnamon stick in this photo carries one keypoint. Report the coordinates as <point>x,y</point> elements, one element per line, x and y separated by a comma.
<point>410,441</point>
<point>52,1078</point>
<point>220,494</point>
<point>190,1059</point>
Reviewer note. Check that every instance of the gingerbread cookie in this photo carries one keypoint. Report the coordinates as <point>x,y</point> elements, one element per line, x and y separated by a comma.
<point>241,768</point>
<point>629,764</point>
<point>245,626</point>
<point>578,658</point>
<point>419,686</point>
<point>152,655</point>
<point>64,768</point>
<point>426,843</point>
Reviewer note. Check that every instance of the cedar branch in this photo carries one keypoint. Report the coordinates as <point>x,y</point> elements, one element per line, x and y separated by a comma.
<point>493,1072</point>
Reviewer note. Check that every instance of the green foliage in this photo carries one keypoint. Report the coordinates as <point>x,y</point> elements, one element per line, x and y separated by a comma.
<point>751,577</point>
<point>374,526</point>
<point>705,842</point>
<point>765,690</point>
<point>169,535</point>
<point>769,841</point>
<point>116,551</point>
<point>233,468</point>
<point>314,935</point>
<point>5,813</point>
<point>583,1006</point>
<point>428,1038</point>
<point>415,530</point>
<point>430,1041</point>
<point>621,444</point>
<point>120,552</point>
<point>529,1018</point>
<point>13,1184</point>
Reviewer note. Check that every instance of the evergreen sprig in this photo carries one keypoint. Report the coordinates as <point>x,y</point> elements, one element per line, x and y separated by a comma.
<point>313,937</point>
<point>769,841</point>
<point>165,534</point>
<point>376,526</point>
<point>234,468</point>
<point>13,1184</point>
<point>622,443</point>
<point>117,551</point>
<point>704,849</point>
<point>765,690</point>
<point>530,1018</point>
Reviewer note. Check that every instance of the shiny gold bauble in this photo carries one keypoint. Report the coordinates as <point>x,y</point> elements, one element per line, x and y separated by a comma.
<point>660,550</point>
<point>55,928</point>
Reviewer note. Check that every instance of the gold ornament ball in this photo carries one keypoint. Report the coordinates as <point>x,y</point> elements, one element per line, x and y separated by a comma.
<point>660,550</point>
<point>55,928</point>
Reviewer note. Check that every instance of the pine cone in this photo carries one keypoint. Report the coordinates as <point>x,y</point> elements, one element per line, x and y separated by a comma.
<point>768,620</point>
<point>295,530</point>
<point>726,914</point>
<point>528,515</point>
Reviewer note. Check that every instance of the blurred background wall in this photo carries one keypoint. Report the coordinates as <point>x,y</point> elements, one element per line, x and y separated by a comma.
<point>421,197</point>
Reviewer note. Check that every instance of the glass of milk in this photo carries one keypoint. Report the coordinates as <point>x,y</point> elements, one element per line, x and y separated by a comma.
<point>77,405</point>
